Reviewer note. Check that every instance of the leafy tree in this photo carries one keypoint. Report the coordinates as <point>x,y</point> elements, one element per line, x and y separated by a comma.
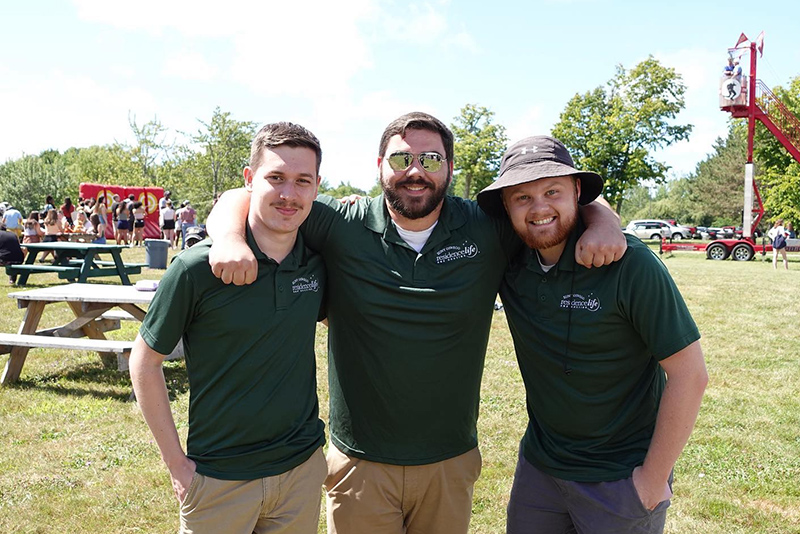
<point>779,177</point>
<point>150,148</point>
<point>613,130</point>
<point>27,181</point>
<point>342,190</point>
<point>479,147</point>
<point>225,144</point>
<point>111,164</point>
<point>716,189</point>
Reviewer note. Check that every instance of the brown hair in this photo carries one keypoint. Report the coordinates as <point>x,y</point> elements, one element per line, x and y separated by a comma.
<point>283,133</point>
<point>417,120</point>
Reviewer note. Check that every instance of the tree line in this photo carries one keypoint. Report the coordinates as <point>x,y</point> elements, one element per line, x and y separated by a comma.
<point>613,129</point>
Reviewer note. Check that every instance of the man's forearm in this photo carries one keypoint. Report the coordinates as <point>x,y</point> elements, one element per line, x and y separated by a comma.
<point>229,215</point>
<point>151,394</point>
<point>603,241</point>
<point>677,413</point>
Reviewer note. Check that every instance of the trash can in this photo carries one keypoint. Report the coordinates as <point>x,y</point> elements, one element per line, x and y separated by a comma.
<point>155,253</point>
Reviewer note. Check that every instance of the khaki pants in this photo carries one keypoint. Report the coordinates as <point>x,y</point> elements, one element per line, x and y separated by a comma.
<point>287,503</point>
<point>374,498</point>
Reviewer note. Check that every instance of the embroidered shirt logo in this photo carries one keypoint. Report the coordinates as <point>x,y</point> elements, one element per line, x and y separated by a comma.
<point>302,285</point>
<point>576,301</point>
<point>466,249</point>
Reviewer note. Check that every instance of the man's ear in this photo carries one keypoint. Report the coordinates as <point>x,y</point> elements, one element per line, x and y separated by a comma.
<point>248,178</point>
<point>316,189</point>
<point>578,187</point>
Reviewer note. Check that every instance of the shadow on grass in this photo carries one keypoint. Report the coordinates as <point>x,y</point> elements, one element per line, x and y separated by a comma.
<point>92,379</point>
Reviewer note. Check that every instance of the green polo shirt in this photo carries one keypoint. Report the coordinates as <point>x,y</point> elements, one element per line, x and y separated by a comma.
<point>408,331</point>
<point>610,326</point>
<point>253,409</point>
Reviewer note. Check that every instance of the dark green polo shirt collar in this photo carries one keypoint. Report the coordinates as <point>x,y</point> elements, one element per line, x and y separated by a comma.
<point>295,259</point>
<point>378,220</point>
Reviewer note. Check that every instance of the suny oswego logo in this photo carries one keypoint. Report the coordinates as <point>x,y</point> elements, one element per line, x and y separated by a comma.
<point>302,284</point>
<point>466,249</point>
<point>576,301</point>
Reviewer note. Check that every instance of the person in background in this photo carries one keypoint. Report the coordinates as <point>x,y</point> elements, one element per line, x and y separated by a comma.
<point>114,207</point>
<point>778,235</point>
<point>67,208</point>
<point>167,223</point>
<point>99,229</point>
<point>253,460</point>
<point>13,221</point>
<point>82,223</point>
<point>139,213</point>
<point>614,376</point>
<point>52,229</point>
<point>10,251</point>
<point>49,204</point>
<point>123,216</point>
<point>32,232</point>
<point>188,218</point>
<point>790,230</point>
<point>162,202</point>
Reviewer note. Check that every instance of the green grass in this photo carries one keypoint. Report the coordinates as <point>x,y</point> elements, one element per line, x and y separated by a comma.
<point>76,456</point>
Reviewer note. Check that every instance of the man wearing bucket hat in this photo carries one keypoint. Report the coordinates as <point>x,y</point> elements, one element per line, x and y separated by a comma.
<point>605,426</point>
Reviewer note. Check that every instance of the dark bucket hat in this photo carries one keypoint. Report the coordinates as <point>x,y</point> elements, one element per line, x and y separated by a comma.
<point>531,159</point>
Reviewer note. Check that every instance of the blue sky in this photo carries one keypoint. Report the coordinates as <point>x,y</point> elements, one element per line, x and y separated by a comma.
<point>71,71</point>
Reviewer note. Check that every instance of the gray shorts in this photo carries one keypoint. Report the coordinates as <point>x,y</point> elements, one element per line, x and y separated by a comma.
<point>542,504</point>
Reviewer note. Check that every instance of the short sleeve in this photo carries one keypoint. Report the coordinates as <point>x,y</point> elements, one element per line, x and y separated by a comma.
<point>171,310</point>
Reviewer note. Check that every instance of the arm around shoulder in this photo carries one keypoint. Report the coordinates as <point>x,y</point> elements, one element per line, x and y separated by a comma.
<point>230,258</point>
<point>603,241</point>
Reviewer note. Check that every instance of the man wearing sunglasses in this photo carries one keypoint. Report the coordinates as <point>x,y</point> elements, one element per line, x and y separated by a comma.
<point>412,279</point>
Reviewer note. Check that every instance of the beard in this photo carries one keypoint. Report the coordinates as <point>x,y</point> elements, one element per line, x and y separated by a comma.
<point>414,208</point>
<point>545,239</point>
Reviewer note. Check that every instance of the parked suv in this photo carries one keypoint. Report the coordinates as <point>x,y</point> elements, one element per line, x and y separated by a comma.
<point>656,229</point>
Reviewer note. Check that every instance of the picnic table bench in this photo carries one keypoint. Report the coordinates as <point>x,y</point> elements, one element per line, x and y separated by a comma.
<point>75,261</point>
<point>98,308</point>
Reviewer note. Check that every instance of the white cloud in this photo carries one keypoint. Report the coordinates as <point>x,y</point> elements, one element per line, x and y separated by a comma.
<point>65,111</point>
<point>701,70</point>
<point>189,65</point>
<point>529,122</point>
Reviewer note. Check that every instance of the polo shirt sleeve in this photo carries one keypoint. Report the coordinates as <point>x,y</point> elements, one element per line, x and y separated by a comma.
<point>171,310</point>
<point>319,227</point>
<point>653,304</point>
<point>510,242</point>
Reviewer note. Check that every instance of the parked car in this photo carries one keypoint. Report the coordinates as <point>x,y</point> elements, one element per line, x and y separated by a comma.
<point>647,229</point>
<point>656,229</point>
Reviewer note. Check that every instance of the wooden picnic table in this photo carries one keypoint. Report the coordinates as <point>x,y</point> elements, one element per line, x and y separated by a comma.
<point>92,305</point>
<point>75,261</point>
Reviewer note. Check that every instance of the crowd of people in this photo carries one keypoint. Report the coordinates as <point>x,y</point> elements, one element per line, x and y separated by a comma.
<point>90,218</point>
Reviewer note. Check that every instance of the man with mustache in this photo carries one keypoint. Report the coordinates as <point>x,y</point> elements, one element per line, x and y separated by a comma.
<point>254,460</point>
<point>595,348</point>
<point>413,276</point>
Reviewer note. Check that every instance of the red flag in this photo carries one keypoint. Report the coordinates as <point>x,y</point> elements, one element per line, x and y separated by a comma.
<point>742,39</point>
<point>760,44</point>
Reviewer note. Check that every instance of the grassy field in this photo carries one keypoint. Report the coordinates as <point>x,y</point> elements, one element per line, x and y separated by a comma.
<point>76,456</point>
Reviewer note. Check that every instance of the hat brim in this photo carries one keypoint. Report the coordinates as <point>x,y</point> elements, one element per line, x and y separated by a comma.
<point>490,198</point>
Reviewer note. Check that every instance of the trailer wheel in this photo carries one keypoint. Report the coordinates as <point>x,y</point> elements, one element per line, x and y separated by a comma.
<point>716,251</point>
<point>742,252</point>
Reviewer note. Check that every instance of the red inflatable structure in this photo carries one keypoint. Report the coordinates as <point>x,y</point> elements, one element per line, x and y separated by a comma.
<point>148,196</point>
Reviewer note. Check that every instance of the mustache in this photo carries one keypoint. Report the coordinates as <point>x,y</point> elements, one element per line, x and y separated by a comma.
<point>285,204</point>
<point>414,181</point>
